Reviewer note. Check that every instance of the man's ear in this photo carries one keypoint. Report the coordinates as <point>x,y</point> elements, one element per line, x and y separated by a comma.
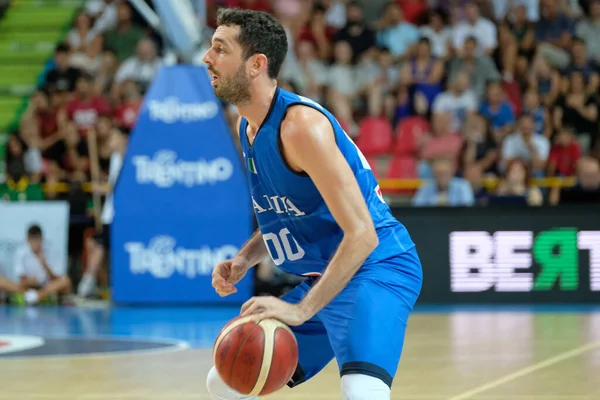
<point>258,63</point>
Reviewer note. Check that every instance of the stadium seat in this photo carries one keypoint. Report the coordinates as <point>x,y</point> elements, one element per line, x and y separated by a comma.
<point>375,136</point>
<point>513,95</point>
<point>408,133</point>
<point>402,167</point>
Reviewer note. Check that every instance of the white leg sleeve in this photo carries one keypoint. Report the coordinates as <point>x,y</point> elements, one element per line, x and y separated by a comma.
<point>364,387</point>
<point>218,390</point>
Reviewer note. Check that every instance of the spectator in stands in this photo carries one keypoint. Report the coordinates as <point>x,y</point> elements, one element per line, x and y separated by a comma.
<point>475,26</point>
<point>540,114</point>
<point>22,164</point>
<point>81,34</point>
<point>546,81</point>
<point>379,80</point>
<point>564,154</point>
<point>89,59</point>
<point>588,29</point>
<point>582,64</point>
<point>37,270</point>
<point>126,113</point>
<point>344,84</point>
<point>313,80</point>
<point>458,100</point>
<point>85,107</point>
<point>479,68</point>
<point>474,175</point>
<point>62,77</point>
<point>99,244</point>
<point>318,33</point>
<point>395,33</point>
<point>423,73</point>
<point>579,110</point>
<point>142,67</point>
<point>527,146</point>
<point>104,132</point>
<point>516,41</point>
<point>514,187</point>
<point>442,142</point>
<point>445,189</point>
<point>553,34</point>
<point>105,75</point>
<point>438,33</point>
<point>43,112</point>
<point>479,148</point>
<point>125,36</point>
<point>498,110</point>
<point>587,188</point>
<point>71,152</point>
<point>356,32</point>
<point>335,12</point>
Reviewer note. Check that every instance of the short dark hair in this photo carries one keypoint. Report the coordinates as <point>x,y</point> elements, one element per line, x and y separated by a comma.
<point>34,231</point>
<point>62,47</point>
<point>260,33</point>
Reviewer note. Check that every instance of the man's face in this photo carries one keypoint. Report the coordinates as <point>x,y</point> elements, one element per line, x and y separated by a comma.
<point>35,242</point>
<point>470,48</point>
<point>527,126</point>
<point>472,12</point>
<point>227,66</point>
<point>588,175</point>
<point>442,171</point>
<point>61,59</point>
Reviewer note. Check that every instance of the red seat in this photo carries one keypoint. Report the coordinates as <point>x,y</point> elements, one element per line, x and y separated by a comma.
<point>408,134</point>
<point>513,95</point>
<point>375,136</point>
<point>402,167</point>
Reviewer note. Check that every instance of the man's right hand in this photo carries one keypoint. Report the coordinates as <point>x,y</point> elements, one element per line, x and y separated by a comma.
<point>227,273</point>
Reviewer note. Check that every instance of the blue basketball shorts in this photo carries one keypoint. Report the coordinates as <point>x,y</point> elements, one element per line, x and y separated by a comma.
<point>363,327</point>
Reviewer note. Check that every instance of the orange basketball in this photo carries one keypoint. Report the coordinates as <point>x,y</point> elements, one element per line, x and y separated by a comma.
<point>255,358</point>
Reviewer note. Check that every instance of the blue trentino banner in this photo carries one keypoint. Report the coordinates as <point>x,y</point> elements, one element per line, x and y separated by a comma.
<point>181,201</point>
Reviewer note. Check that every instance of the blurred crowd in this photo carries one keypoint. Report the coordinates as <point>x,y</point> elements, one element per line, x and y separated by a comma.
<point>451,92</point>
<point>457,92</point>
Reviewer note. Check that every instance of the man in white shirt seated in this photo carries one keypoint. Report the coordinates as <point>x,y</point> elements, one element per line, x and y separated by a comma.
<point>37,273</point>
<point>475,25</point>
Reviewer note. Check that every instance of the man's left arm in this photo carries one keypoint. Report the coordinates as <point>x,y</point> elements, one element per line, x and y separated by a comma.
<point>309,145</point>
<point>47,267</point>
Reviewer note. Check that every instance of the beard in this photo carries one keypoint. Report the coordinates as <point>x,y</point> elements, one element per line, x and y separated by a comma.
<point>234,90</point>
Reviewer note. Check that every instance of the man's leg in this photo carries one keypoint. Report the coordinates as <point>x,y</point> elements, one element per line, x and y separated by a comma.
<point>61,285</point>
<point>314,353</point>
<point>367,322</point>
<point>9,286</point>
<point>96,252</point>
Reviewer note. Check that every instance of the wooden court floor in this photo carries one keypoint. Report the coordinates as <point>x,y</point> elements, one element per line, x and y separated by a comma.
<point>454,356</point>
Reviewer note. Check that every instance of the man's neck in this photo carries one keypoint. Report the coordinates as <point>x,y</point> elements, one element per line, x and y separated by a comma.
<point>257,109</point>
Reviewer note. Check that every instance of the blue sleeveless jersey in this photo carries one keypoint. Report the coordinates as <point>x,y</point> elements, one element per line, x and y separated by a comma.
<point>297,227</point>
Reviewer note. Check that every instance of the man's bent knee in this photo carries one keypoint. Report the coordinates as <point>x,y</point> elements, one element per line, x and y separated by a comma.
<point>364,387</point>
<point>218,390</point>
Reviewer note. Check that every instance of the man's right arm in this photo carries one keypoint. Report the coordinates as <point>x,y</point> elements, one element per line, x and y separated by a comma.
<point>254,251</point>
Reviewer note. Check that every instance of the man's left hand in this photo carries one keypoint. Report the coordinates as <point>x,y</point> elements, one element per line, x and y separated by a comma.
<point>263,307</point>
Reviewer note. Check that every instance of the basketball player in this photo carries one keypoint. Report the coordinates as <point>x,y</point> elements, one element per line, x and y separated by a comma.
<point>321,215</point>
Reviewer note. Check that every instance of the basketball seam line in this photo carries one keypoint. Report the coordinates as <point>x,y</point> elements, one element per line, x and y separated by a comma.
<point>239,349</point>
<point>268,351</point>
